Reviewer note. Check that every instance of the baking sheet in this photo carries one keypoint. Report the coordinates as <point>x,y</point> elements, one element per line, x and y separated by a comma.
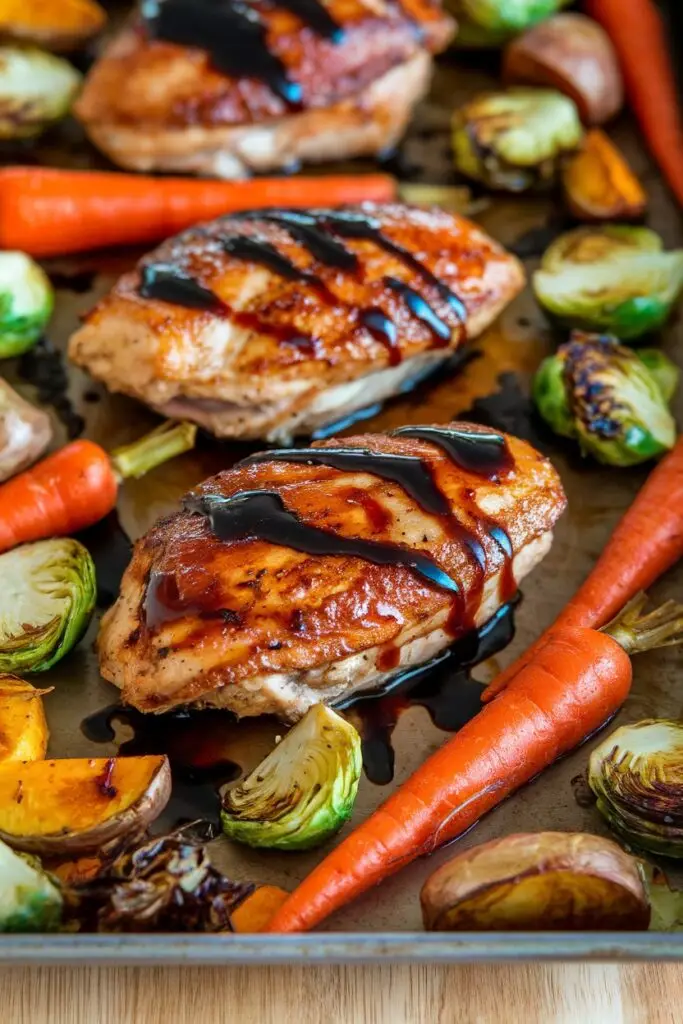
<point>491,387</point>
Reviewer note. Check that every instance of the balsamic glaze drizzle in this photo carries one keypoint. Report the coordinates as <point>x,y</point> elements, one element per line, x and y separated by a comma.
<point>410,472</point>
<point>167,283</point>
<point>263,515</point>
<point>485,454</point>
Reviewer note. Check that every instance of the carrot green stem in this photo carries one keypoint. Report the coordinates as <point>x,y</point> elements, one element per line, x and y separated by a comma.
<point>636,632</point>
<point>164,443</point>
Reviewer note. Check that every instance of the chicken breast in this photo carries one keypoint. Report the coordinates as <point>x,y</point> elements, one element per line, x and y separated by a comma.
<point>308,575</point>
<point>225,87</point>
<point>276,323</point>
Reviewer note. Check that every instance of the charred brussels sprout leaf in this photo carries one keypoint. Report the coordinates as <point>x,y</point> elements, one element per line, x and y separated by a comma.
<point>26,302</point>
<point>609,398</point>
<point>29,899</point>
<point>166,885</point>
<point>514,140</point>
<point>637,777</point>
<point>613,279</point>
<point>305,789</point>
<point>36,88</point>
<point>491,22</point>
<point>46,602</point>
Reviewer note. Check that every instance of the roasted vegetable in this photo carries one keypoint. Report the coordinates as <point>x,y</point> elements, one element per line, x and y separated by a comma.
<point>36,88</point>
<point>73,806</point>
<point>166,885</point>
<point>25,432</point>
<point>514,140</point>
<point>257,910</point>
<point>608,398</point>
<point>23,729</point>
<point>616,280</point>
<point>545,881</point>
<point>54,24</point>
<point>26,302</point>
<point>600,185</point>
<point>666,904</point>
<point>572,53</point>
<point>29,900</point>
<point>637,776</point>
<point>303,791</point>
<point>46,603</point>
<point>486,23</point>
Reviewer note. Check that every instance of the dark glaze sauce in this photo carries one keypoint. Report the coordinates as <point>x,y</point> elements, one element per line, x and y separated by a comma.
<point>166,283</point>
<point>263,515</point>
<point>486,455</point>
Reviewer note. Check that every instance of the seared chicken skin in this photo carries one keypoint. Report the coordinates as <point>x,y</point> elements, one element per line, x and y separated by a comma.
<point>225,87</point>
<point>273,324</point>
<point>308,575</point>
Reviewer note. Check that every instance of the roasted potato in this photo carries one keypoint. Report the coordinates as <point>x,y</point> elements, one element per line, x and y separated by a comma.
<point>58,25</point>
<point>574,54</point>
<point>600,185</point>
<point>74,806</point>
<point>547,881</point>
<point>23,729</point>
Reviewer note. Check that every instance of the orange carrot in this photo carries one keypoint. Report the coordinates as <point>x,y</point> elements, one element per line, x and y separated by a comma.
<point>646,542</point>
<point>637,30</point>
<point>578,679</point>
<point>48,212</point>
<point>78,485</point>
<point>257,910</point>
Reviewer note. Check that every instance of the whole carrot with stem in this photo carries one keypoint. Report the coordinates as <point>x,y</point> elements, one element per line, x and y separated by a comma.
<point>51,212</point>
<point>78,485</point>
<point>578,679</point>
<point>637,31</point>
<point>646,542</point>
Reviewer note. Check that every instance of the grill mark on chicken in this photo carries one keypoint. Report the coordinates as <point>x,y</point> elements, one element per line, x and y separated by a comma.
<point>314,232</point>
<point>234,36</point>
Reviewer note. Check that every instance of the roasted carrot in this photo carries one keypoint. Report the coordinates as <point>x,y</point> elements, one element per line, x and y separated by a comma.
<point>256,911</point>
<point>78,485</point>
<point>578,679</point>
<point>647,541</point>
<point>49,212</point>
<point>637,30</point>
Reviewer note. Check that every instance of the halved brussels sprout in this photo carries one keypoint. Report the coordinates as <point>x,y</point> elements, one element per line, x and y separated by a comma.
<point>29,899</point>
<point>26,303</point>
<point>612,279</point>
<point>36,88</point>
<point>514,140</point>
<point>637,777</point>
<point>492,22</point>
<point>47,599</point>
<point>303,791</point>
<point>544,881</point>
<point>612,400</point>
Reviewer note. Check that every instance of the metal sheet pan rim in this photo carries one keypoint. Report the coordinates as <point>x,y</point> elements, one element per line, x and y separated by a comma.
<point>347,948</point>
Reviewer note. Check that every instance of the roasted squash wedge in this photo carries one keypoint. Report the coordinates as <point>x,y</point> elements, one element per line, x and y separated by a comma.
<point>600,185</point>
<point>58,25</point>
<point>23,729</point>
<point>256,911</point>
<point>74,806</point>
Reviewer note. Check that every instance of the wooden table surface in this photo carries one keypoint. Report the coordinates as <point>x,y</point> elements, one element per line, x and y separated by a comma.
<point>538,994</point>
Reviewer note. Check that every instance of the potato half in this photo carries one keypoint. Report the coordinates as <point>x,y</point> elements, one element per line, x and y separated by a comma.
<point>73,806</point>
<point>547,881</point>
<point>23,729</point>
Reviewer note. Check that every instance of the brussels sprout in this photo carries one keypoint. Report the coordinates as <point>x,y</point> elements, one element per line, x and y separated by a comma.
<point>46,602</point>
<point>36,88</point>
<point>303,791</point>
<point>637,776</point>
<point>612,279</point>
<point>513,140</point>
<point>29,900</point>
<point>608,398</point>
<point>26,302</point>
<point>492,22</point>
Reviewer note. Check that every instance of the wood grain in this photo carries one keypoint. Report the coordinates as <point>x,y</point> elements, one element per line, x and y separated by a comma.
<point>533,994</point>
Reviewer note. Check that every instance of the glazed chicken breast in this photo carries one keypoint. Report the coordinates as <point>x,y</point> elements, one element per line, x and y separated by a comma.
<point>308,575</point>
<point>275,323</point>
<point>226,87</point>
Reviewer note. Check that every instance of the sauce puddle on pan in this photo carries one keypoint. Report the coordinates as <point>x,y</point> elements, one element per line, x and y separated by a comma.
<point>209,749</point>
